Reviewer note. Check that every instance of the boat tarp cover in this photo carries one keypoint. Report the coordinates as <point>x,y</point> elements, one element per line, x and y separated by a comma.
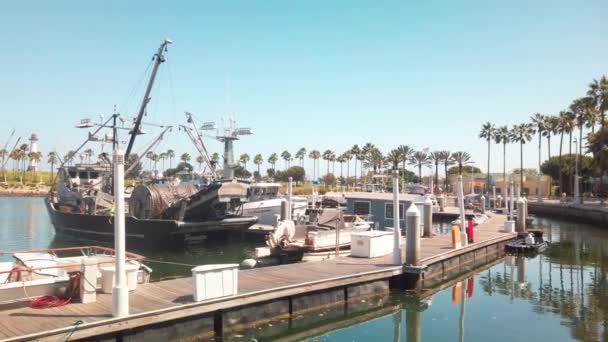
<point>150,201</point>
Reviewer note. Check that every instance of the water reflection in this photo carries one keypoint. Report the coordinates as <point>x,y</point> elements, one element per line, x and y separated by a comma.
<point>559,295</point>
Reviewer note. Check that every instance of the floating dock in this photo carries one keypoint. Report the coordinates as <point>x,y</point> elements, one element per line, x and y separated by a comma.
<point>165,310</point>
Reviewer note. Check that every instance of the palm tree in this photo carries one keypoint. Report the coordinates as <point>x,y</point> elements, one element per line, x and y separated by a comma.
<point>200,161</point>
<point>447,160</point>
<point>150,156</point>
<point>436,157</point>
<point>501,136</point>
<point>185,157</point>
<point>462,159</point>
<point>521,134</point>
<point>171,155</point>
<point>69,157</point>
<point>355,151</point>
<point>163,157</point>
<point>155,159</point>
<point>244,158</point>
<point>287,158</point>
<point>258,160</point>
<point>327,157</point>
<point>394,158</point>
<point>487,132</point>
<point>52,159</point>
<point>420,159</point>
<point>598,91</point>
<point>89,153</point>
<point>3,154</point>
<point>406,153</point>
<point>551,128</point>
<point>315,155</point>
<point>366,151</point>
<point>538,120</point>
<point>300,155</point>
<point>347,157</point>
<point>24,156</point>
<point>375,159</point>
<point>272,160</point>
<point>341,160</point>
<point>567,125</point>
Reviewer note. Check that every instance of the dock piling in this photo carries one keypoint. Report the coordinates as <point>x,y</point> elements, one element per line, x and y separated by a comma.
<point>520,227</point>
<point>463,232</point>
<point>428,218</point>
<point>396,221</point>
<point>483,204</point>
<point>289,196</point>
<point>412,236</point>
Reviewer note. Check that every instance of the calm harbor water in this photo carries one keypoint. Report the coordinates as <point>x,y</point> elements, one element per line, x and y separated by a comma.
<point>561,295</point>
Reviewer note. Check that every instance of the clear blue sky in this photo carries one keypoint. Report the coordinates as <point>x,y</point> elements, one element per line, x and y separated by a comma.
<point>318,74</point>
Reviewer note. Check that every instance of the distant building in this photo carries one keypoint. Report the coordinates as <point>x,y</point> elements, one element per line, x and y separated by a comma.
<point>33,148</point>
<point>378,207</point>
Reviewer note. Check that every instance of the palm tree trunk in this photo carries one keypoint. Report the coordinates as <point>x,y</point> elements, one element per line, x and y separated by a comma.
<point>559,161</point>
<point>521,164</point>
<point>570,153</point>
<point>488,176</point>
<point>355,184</point>
<point>504,168</point>
<point>436,176</point>
<point>445,170</point>
<point>419,174</point>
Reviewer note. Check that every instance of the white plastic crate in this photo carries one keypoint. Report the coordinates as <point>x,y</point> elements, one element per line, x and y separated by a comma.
<point>214,281</point>
<point>371,244</point>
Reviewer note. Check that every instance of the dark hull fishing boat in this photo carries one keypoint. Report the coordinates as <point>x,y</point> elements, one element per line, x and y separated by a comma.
<point>156,214</point>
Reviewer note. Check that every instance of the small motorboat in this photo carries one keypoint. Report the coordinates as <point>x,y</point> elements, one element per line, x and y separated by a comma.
<point>527,243</point>
<point>477,218</point>
<point>38,273</point>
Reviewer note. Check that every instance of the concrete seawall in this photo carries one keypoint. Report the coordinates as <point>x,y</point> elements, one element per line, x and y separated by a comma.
<point>574,212</point>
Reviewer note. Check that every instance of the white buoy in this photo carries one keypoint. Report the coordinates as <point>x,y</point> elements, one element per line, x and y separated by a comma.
<point>412,235</point>
<point>120,292</point>
<point>396,220</point>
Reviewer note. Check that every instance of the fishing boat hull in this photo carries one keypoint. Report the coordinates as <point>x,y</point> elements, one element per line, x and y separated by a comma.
<point>155,231</point>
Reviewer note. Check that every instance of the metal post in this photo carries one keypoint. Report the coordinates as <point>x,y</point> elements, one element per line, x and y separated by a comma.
<point>289,196</point>
<point>520,227</point>
<point>412,235</point>
<point>120,292</point>
<point>463,221</point>
<point>512,200</point>
<point>428,218</point>
<point>338,223</point>
<point>396,222</point>
<point>494,196</point>
<point>441,202</point>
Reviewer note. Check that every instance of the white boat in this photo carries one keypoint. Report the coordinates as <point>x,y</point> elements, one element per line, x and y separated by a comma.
<point>477,219</point>
<point>33,274</point>
<point>264,202</point>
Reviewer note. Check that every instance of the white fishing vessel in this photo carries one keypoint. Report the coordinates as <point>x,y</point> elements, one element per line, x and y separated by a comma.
<point>264,202</point>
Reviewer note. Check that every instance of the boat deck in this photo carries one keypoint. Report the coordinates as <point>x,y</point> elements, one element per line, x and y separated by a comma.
<point>172,299</point>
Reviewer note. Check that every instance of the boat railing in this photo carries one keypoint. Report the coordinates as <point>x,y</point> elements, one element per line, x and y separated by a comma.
<point>84,250</point>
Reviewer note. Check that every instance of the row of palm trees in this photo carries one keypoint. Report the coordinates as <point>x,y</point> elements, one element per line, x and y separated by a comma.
<point>583,113</point>
<point>368,157</point>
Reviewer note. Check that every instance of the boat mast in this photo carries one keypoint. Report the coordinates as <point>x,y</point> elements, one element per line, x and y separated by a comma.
<point>158,59</point>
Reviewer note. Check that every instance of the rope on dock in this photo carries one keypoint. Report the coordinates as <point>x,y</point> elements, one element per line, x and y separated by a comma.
<point>71,331</point>
<point>171,263</point>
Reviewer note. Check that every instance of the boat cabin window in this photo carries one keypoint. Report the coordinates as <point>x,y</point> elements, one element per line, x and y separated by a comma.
<point>362,208</point>
<point>388,211</point>
<point>93,175</point>
<point>83,174</point>
<point>72,174</point>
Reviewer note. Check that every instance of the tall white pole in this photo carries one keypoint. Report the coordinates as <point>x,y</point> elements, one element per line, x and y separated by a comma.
<point>463,221</point>
<point>120,292</point>
<point>396,220</point>
<point>289,196</point>
<point>512,199</point>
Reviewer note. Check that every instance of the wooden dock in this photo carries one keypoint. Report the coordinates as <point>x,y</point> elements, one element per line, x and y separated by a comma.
<point>165,309</point>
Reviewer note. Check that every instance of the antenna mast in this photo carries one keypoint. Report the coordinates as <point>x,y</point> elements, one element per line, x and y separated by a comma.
<point>158,59</point>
